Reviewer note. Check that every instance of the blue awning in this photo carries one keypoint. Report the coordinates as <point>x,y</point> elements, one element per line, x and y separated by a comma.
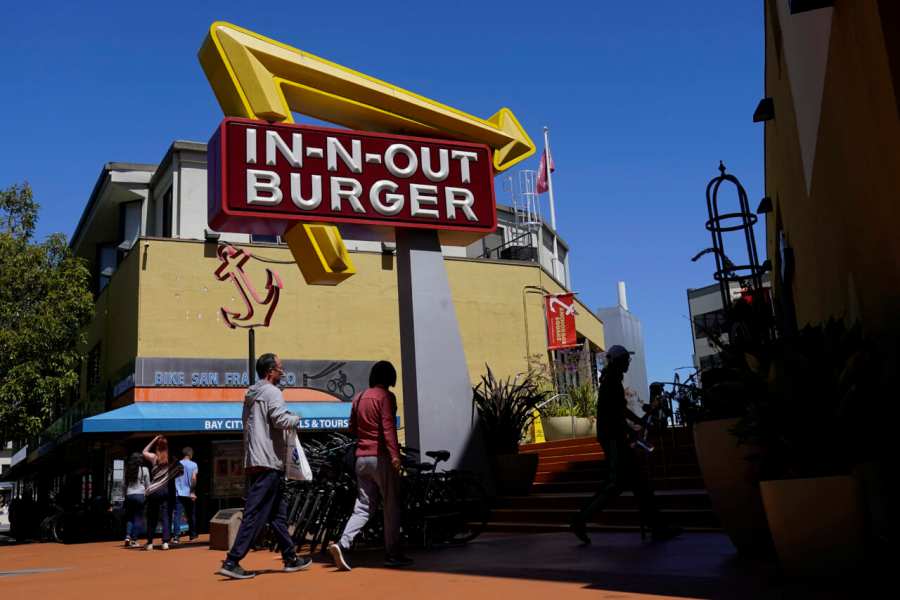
<point>207,416</point>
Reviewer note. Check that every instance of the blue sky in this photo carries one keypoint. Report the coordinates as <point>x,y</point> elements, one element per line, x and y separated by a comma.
<point>643,99</point>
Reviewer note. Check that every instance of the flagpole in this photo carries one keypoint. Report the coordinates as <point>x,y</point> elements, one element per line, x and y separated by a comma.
<point>547,169</point>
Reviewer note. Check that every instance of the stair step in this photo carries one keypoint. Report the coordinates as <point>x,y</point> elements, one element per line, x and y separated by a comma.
<point>575,486</point>
<point>667,499</point>
<point>583,455</point>
<point>566,451</point>
<point>610,516</point>
<point>560,528</point>
<point>599,473</point>
<point>558,444</point>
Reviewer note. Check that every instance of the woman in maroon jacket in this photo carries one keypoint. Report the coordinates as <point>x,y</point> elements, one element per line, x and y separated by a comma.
<point>372,421</point>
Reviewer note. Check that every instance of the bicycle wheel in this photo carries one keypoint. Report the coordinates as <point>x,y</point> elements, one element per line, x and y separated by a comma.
<point>472,503</point>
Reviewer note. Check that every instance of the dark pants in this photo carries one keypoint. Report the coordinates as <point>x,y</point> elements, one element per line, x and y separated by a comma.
<point>265,504</point>
<point>134,515</point>
<point>185,505</point>
<point>158,506</point>
<point>624,473</point>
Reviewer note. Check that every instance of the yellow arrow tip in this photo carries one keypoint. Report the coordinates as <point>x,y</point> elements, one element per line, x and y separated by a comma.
<point>521,146</point>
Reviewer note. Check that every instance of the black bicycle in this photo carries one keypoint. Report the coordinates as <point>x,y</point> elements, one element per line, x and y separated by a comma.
<point>439,507</point>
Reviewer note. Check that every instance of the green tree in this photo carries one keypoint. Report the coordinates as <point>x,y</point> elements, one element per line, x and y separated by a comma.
<point>45,302</point>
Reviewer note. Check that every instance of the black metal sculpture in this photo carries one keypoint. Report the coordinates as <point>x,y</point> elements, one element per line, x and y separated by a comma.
<point>748,276</point>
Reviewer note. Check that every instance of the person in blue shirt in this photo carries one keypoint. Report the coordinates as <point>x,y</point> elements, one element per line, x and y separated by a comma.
<point>186,492</point>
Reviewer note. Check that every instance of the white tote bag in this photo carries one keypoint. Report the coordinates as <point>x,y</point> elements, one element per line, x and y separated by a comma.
<point>296,467</point>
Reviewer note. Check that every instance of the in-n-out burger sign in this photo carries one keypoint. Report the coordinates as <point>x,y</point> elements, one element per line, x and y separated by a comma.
<point>266,177</point>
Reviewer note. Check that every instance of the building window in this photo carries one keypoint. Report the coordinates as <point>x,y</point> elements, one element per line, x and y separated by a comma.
<point>92,375</point>
<point>709,362</point>
<point>107,261</point>
<point>710,323</point>
<point>167,214</point>
<point>264,239</point>
<point>87,487</point>
<point>117,481</point>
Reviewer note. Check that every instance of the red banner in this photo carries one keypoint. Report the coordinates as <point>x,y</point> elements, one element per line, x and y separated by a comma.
<point>560,321</point>
<point>265,177</point>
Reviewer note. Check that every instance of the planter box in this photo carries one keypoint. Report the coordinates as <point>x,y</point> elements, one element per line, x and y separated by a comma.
<point>733,485</point>
<point>816,524</point>
<point>560,428</point>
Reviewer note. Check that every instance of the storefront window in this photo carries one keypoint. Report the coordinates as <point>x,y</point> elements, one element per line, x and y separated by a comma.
<point>117,481</point>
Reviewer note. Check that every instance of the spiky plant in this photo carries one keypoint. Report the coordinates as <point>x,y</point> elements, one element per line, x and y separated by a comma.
<point>507,407</point>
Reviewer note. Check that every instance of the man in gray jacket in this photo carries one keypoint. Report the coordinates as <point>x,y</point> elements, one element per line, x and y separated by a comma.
<point>267,425</point>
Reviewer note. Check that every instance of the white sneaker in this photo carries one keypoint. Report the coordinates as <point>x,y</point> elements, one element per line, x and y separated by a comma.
<point>337,555</point>
<point>148,547</point>
<point>165,546</point>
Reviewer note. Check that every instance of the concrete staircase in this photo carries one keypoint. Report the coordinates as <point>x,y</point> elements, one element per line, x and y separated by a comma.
<point>570,471</point>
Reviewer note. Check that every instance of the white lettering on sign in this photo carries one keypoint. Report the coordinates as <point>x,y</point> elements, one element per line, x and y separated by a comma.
<point>352,159</point>
<point>263,181</point>
<point>333,423</point>
<point>168,378</point>
<point>390,160</point>
<point>464,158</point>
<point>293,153</point>
<point>223,425</point>
<point>276,173</point>
<point>443,171</point>
<point>339,192</point>
<point>392,203</point>
<point>423,194</point>
<point>315,198</point>
<point>460,198</point>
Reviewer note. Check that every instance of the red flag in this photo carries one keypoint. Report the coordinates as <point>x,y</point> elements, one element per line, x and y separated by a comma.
<point>560,312</point>
<point>542,184</point>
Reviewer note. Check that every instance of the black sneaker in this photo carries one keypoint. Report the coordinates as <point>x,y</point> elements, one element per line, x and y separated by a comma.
<point>337,554</point>
<point>665,533</point>
<point>235,571</point>
<point>579,529</point>
<point>296,563</point>
<point>397,561</point>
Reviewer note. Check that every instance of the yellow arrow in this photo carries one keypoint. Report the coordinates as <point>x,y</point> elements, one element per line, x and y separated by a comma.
<point>259,78</point>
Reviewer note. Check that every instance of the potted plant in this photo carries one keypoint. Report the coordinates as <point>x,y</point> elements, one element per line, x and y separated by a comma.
<point>807,425</point>
<point>713,411</point>
<point>506,408</point>
<point>573,415</point>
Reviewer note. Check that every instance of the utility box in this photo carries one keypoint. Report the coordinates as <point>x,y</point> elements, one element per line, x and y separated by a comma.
<point>223,528</point>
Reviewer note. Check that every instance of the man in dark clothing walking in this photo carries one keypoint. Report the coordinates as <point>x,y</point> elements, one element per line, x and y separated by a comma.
<point>613,433</point>
<point>267,423</point>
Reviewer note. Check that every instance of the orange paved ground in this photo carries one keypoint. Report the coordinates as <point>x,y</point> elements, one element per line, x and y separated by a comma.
<point>549,566</point>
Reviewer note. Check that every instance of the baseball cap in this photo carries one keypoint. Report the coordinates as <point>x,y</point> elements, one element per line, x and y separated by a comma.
<point>617,351</point>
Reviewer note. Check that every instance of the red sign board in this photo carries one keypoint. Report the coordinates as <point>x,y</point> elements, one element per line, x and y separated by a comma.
<point>560,321</point>
<point>265,177</point>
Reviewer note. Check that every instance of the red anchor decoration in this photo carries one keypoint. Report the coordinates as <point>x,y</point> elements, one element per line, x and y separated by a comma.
<point>232,267</point>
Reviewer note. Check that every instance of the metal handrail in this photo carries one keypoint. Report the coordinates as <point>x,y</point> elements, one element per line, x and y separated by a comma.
<point>487,253</point>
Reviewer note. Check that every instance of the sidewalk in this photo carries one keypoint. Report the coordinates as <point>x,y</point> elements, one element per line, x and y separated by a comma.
<point>545,566</point>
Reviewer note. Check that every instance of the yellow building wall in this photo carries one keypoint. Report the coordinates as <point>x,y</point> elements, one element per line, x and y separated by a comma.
<point>844,231</point>
<point>357,320</point>
<point>115,322</point>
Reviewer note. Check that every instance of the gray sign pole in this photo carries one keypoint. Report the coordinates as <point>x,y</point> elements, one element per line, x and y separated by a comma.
<point>437,392</point>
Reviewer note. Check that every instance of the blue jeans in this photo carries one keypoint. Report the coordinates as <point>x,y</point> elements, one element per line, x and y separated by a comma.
<point>158,506</point>
<point>134,515</point>
<point>184,505</point>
